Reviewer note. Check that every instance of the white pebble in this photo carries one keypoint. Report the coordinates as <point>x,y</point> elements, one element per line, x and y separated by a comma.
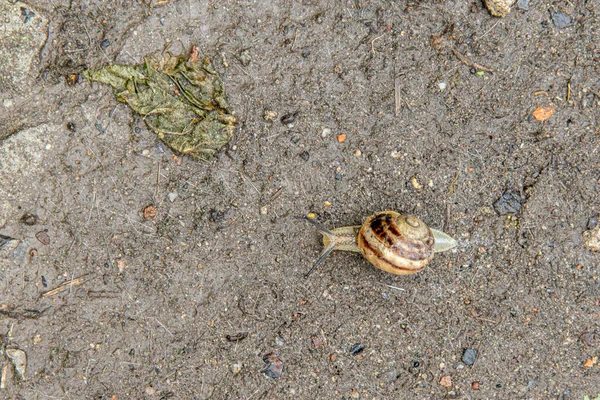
<point>442,85</point>
<point>326,132</point>
<point>172,196</point>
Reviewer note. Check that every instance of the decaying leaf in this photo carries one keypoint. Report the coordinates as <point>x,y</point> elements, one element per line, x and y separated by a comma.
<point>543,113</point>
<point>274,367</point>
<point>183,101</point>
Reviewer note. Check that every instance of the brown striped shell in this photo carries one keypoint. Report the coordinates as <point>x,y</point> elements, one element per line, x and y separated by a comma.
<point>396,243</point>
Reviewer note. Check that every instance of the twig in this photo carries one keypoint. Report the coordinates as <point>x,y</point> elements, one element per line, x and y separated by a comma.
<point>471,64</point>
<point>165,328</point>
<point>397,96</point>
<point>488,31</point>
<point>274,197</point>
<point>373,41</point>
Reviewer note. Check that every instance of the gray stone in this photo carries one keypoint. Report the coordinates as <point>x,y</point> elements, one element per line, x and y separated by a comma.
<point>469,356</point>
<point>561,20</point>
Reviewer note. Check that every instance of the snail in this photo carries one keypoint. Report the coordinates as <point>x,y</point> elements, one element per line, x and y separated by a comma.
<point>396,243</point>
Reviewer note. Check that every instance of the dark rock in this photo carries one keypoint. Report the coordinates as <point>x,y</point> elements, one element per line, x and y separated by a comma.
<point>104,44</point>
<point>305,155</point>
<point>469,356</point>
<point>289,118</point>
<point>510,202</point>
<point>356,349</point>
<point>592,222</point>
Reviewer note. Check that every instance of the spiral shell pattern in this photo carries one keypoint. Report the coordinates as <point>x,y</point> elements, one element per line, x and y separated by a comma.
<point>396,243</point>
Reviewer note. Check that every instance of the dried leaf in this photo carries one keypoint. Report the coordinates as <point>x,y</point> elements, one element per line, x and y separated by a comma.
<point>543,113</point>
<point>182,101</point>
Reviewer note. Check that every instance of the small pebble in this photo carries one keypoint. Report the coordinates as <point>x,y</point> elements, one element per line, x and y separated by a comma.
<point>290,118</point>
<point>390,376</point>
<point>172,196</point>
<point>150,391</point>
<point>446,381</point>
<point>105,44</point>
<point>416,183</point>
<point>269,115</point>
<point>19,360</point>
<point>475,385</point>
<point>236,368</point>
<point>561,20</point>
<point>469,356</point>
<point>356,349</point>
<point>357,153</point>
<point>592,222</point>
<point>442,85</point>
<point>523,5</point>
<point>326,132</point>
<point>305,155</point>
<point>145,152</point>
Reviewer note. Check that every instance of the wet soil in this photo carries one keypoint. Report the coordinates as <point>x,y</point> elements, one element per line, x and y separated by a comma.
<point>110,303</point>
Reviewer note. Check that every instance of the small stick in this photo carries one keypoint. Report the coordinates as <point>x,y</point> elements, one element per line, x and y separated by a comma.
<point>373,41</point>
<point>468,63</point>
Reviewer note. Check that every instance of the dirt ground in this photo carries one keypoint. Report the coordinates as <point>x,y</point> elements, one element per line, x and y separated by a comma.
<point>108,304</point>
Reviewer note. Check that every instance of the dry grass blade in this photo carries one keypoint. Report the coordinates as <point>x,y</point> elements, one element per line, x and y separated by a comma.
<point>67,285</point>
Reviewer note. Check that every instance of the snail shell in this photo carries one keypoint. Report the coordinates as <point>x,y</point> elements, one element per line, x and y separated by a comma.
<point>396,243</point>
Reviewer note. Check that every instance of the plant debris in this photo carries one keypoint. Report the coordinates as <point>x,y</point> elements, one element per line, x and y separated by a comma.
<point>510,202</point>
<point>181,100</point>
<point>274,367</point>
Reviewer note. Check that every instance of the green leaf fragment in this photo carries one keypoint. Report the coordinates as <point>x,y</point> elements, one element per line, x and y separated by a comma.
<point>480,73</point>
<point>182,101</point>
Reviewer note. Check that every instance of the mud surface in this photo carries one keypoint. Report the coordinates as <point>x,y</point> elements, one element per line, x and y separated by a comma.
<point>109,303</point>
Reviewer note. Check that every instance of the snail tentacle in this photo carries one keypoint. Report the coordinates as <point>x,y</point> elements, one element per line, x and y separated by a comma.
<point>332,243</point>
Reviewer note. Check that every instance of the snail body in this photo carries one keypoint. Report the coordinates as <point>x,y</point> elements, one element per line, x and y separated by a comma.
<point>396,243</point>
